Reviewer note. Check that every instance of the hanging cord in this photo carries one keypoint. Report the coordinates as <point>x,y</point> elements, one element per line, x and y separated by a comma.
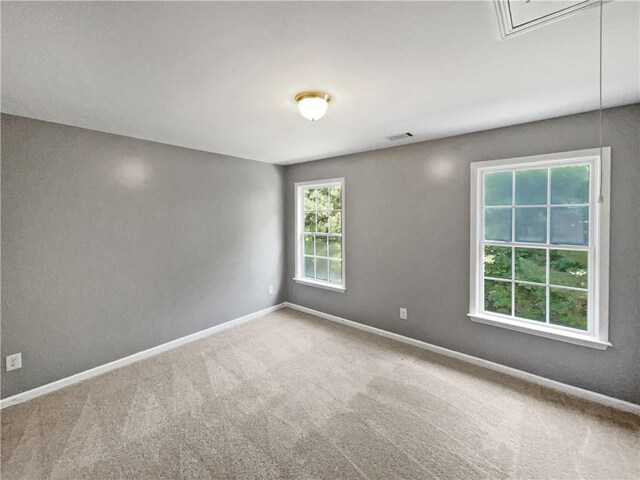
<point>600,196</point>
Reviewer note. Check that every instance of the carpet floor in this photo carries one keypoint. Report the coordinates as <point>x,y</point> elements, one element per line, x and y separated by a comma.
<point>294,396</point>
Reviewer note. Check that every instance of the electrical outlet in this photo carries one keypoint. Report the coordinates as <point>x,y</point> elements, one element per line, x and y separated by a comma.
<point>270,289</point>
<point>14,361</point>
<point>403,313</point>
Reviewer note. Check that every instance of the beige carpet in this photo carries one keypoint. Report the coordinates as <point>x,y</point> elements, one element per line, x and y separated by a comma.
<point>294,396</point>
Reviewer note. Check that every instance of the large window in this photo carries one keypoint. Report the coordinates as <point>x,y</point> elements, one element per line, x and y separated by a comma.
<point>539,245</point>
<point>320,233</point>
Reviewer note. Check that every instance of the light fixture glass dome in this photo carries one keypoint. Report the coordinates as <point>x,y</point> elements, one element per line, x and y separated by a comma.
<point>313,105</point>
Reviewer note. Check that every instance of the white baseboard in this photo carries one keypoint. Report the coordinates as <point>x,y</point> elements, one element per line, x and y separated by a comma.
<point>530,377</point>
<point>79,377</point>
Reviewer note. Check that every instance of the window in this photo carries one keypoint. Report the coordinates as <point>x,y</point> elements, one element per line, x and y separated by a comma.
<point>539,245</point>
<point>320,233</point>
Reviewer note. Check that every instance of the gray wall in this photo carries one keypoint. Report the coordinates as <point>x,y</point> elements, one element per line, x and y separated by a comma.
<point>407,242</point>
<point>112,245</point>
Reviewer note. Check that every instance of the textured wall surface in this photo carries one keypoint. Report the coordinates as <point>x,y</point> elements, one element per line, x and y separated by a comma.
<point>112,245</point>
<point>407,242</point>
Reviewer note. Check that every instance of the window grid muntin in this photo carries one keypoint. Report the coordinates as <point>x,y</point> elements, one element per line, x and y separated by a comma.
<point>548,246</point>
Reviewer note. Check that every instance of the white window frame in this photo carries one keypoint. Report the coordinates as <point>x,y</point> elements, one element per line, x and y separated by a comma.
<point>299,188</point>
<point>599,161</point>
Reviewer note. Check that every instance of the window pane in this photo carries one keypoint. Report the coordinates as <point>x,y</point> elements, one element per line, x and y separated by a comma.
<point>336,198</point>
<point>308,267</point>
<point>335,271</point>
<point>531,187</point>
<point>322,195</point>
<point>497,188</point>
<point>568,308</point>
<point>570,184</point>
<point>322,268</point>
<point>531,302</point>
<point>497,224</point>
<point>335,222</point>
<point>531,264</point>
<point>570,225</point>
<point>497,262</point>
<point>310,199</point>
<point>310,222</point>
<point>568,267</point>
<point>323,222</point>
<point>321,246</point>
<point>531,225</point>
<point>308,244</point>
<point>497,297</point>
<point>335,247</point>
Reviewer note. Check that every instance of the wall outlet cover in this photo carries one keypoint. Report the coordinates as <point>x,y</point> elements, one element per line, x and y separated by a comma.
<point>14,361</point>
<point>270,289</point>
<point>403,313</point>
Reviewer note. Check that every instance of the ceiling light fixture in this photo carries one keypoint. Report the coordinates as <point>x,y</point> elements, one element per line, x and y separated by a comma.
<point>313,105</point>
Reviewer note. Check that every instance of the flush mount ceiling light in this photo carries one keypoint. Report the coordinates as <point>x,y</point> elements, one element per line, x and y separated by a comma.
<point>313,105</point>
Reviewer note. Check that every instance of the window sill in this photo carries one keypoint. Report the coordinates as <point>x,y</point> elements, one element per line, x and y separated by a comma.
<point>542,331</point>
<point>326,286</point>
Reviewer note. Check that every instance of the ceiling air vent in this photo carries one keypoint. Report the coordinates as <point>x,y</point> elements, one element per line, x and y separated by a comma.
<point>399,136</point>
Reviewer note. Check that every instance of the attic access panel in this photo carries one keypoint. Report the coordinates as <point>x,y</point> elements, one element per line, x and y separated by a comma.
<point>518,16</point>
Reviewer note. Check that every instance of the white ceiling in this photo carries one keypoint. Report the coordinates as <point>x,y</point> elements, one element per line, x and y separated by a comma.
<point>221,77</point>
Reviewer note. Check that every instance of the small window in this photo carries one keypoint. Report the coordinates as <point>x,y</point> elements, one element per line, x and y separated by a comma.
<point>539,245</point>
<point>320,233</point>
